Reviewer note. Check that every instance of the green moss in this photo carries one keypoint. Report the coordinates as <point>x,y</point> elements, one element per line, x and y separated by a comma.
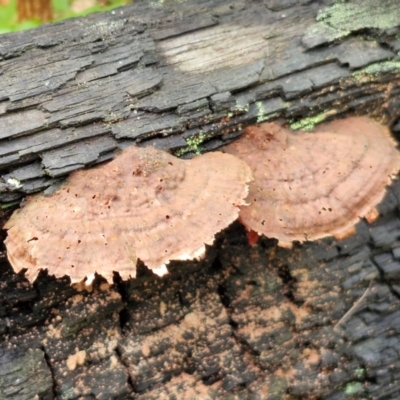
<point>241,109</point>
<point>353,388</point>
<point>193,145</point>
<point>342,18</point>
<point>262,114</point>
<point>307,124</point>
<point>323,30</point>
<point>360,373</point>
<point>351,16</point>
<point>377,69</point>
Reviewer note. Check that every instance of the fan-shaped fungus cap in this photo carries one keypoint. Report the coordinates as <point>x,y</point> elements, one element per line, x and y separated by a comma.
<point>311,185</point>
<point>145,204</point>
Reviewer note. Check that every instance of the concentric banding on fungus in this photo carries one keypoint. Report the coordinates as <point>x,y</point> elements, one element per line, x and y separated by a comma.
<point>308,185</point>
<point>145,204</point>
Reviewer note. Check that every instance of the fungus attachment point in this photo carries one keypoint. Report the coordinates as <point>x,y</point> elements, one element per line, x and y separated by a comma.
<point>106,218</point>
<point>308,185</point>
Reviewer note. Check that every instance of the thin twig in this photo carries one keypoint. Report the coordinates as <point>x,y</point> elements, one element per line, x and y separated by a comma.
<point>353,309</point>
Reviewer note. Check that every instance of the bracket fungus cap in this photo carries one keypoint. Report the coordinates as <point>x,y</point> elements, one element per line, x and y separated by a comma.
<point>308,185</point>
<point>145,204</point>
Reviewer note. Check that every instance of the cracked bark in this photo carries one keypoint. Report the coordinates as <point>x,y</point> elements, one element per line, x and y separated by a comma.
<point>255,322</point>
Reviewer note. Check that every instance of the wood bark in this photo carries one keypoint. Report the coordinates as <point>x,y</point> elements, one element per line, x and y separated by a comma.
<point>319,321</point>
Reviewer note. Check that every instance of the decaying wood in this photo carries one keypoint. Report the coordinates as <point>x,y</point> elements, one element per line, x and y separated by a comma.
<point>254,322</point>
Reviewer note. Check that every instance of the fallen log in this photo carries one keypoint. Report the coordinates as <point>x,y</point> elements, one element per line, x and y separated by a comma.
<point>320,320</point>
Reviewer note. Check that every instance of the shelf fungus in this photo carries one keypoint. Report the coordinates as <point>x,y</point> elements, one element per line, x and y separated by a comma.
<point>145,204</point>
<point>308,185</point>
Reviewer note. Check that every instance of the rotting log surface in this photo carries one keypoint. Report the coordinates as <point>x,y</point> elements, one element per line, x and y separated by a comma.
<point>319,321</point>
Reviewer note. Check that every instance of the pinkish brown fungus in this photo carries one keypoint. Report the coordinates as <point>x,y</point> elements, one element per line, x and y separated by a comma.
<point>308,185</point>
<point>145,204</point>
